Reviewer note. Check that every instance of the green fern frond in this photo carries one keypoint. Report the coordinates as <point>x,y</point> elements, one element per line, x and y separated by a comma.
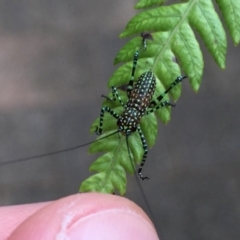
<point>231,13</point>
<point>148,3</point>
<point>174,47</point>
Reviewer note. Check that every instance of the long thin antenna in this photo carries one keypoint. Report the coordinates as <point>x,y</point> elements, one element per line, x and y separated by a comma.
<point>53,153</point>
<point>142,192</point>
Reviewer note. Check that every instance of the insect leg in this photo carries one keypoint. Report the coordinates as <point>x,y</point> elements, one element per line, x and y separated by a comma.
<point>159,105</point>
<point>153,104</point>
<point>130,84</point>
<point>98,130</point>
<point>115,95</point>
<point>135,60</point>
<point>145,149</point>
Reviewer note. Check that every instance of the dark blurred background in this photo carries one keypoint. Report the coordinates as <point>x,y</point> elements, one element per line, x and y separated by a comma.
<point>55,59</point>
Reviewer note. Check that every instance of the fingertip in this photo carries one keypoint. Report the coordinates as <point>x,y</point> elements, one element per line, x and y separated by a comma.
<point>12,216</point>
<point>88,216</point>
<point>112,224</point>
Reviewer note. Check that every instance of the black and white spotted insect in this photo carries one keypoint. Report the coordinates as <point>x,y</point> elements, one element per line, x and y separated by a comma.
<point>139,104</point>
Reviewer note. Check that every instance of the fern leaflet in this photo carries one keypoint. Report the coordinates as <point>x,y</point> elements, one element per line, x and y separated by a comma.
<point>174,45</point>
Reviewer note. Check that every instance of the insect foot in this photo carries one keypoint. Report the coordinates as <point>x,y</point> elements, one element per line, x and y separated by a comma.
<point>97,131</point>
<point>144,178</point>
<point>140,174</point>
<point>172,104</point>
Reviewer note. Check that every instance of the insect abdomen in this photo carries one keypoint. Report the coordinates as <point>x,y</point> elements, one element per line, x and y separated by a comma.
<point>142,92</point>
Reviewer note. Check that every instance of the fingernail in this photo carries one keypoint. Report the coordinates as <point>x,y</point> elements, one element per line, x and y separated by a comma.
<point>111,224</point>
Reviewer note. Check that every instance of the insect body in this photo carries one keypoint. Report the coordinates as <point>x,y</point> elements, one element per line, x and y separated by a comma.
<point>139,104</point>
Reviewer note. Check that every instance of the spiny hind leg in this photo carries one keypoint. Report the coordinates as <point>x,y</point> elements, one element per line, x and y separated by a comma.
<point>156,104</point>
<point>135,61</point>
